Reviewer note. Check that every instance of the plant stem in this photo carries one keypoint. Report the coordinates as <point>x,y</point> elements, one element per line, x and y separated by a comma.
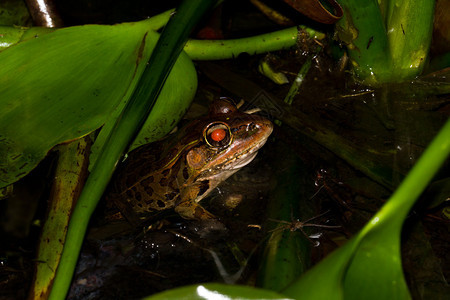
<point>298,81</point>
<point>362,30</point>
<point>409,31</point>
<point>226,49</point>
<point>387,42</point>
<point>134,114</point>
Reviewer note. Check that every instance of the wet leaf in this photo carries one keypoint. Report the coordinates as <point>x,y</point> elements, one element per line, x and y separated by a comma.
<point>62,85</point>
<point>216,291</point>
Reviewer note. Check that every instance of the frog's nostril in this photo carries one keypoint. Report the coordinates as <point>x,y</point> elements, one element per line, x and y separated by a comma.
<point>252,126</point>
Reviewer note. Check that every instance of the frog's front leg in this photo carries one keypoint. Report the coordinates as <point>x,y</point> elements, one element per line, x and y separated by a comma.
<point>188,207</point>
<point>193,210</point>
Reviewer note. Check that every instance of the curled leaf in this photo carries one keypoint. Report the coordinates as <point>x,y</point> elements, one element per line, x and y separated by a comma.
<point>315,10</point>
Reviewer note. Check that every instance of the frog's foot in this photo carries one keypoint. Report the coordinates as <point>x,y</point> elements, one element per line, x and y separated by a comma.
<point>191,210</point>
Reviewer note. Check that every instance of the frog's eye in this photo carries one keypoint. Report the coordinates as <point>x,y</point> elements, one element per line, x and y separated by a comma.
<point>217,135</point>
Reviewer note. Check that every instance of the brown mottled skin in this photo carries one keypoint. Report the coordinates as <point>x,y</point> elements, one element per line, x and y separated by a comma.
<point>182,169</point>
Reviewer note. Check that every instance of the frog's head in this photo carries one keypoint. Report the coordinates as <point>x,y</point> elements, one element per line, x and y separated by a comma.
<point>230,139</point>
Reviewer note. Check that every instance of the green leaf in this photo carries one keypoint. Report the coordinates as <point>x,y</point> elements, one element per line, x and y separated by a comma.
<point>216,291</point>
<point>65,84</point>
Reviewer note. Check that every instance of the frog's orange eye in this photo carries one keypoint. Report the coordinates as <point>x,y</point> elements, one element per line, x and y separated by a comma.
<point>217,135</point>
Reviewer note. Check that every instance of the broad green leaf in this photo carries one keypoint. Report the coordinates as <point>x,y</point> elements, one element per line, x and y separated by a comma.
<point>10,35</point>
<point>216,291</point>
<point>64,84</point>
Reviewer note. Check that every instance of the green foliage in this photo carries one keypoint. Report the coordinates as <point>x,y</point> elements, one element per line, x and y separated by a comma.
<point>68,82</point>
<point>387,42</point>
<point>216,291</point>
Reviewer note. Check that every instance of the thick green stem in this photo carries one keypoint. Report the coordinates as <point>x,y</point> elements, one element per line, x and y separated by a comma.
<point>362,30</point>
<point>127,126</point>
<point>226,49</point>
<point>409,31</point>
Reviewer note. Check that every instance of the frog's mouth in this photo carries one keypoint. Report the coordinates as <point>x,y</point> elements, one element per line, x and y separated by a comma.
<point>245,158</point>
<point>242,161</point>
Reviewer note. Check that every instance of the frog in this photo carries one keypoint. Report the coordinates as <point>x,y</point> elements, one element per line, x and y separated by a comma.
<point>184,168</point>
